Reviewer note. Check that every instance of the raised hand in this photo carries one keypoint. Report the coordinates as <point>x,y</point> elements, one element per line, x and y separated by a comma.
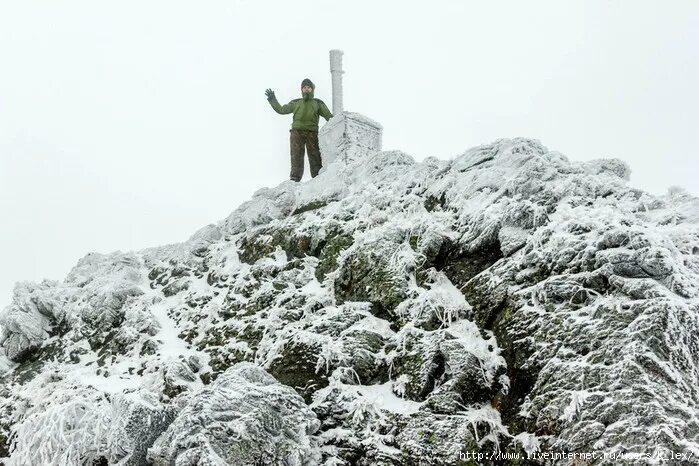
<point>270,94</point>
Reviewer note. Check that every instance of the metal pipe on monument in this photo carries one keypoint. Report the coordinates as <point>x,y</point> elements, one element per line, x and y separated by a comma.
<point>336,72</point>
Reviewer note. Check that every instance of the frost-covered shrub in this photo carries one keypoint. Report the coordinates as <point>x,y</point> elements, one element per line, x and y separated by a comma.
<point>64,424</point>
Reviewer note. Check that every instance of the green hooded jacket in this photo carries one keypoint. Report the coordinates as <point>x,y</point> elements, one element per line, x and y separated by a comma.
<point>306,111</point>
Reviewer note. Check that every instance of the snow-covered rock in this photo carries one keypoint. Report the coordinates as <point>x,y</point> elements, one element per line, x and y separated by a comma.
<point>385,312</point>
<point>244,417</point>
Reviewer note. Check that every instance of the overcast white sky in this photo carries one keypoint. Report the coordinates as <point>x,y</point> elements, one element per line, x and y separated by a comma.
<point>130,124</point>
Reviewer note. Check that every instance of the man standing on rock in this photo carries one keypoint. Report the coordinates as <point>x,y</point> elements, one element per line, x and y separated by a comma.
<point>304,128</point>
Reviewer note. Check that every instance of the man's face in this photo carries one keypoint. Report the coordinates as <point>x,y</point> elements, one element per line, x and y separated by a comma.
<point>306,89</point>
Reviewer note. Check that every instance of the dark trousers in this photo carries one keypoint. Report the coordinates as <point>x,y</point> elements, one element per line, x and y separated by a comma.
<point>299,139</point>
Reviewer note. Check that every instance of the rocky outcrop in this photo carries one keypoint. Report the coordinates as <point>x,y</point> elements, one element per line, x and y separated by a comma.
<point>385,312</point>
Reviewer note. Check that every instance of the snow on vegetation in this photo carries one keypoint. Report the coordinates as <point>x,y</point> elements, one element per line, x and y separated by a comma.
<point>386,312</point>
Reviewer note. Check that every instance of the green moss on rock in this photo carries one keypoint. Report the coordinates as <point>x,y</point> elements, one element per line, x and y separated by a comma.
<point>364,276</point>
<point>263,244</point>
<point>255,248</point>
<point>516,349</point>
<point>363,346</point>
<point>329,252</point>
<point>310,206</point>
<point>4,442</point>
<point>297,368</point>
<point>433,203</point>
<point>221,358</point>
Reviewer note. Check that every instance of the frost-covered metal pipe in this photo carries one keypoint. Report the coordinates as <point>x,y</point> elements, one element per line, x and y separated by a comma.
<point>336,72</point>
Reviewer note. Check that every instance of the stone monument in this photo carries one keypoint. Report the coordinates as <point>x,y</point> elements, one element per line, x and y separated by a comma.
<point>347,134</point>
